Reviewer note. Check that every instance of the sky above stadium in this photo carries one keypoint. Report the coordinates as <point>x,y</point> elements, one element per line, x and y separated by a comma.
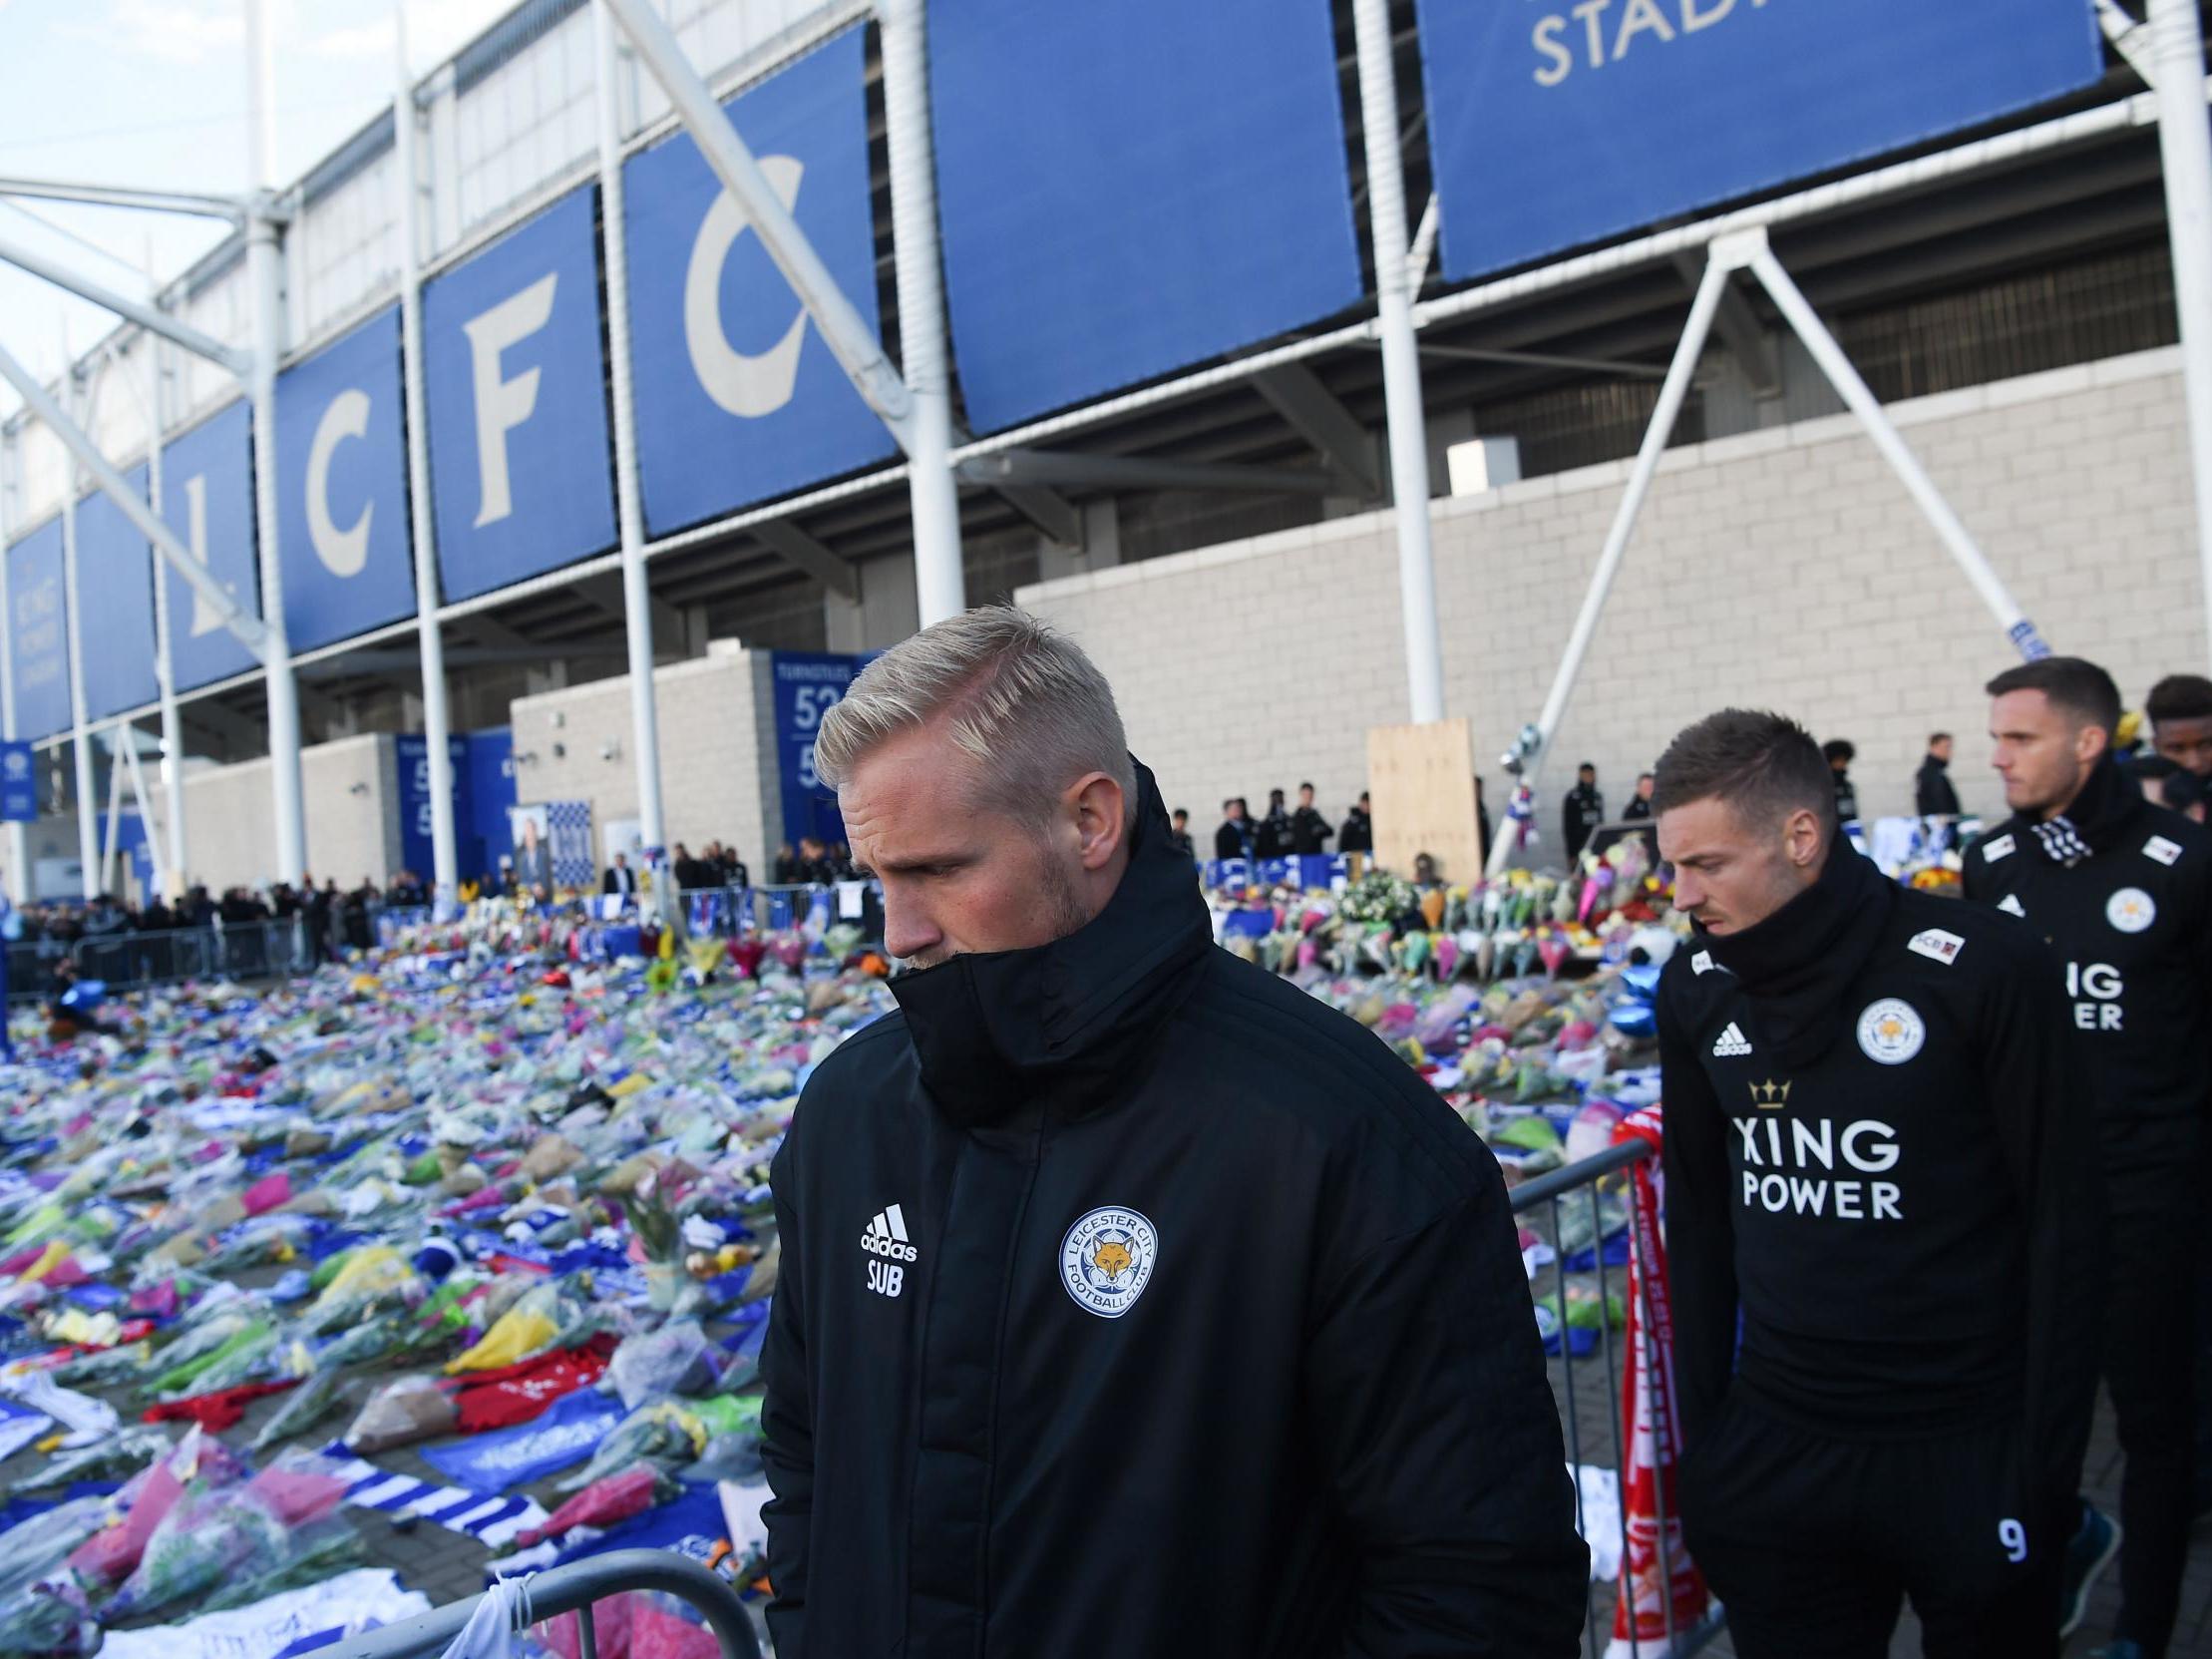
<point>153,93</point>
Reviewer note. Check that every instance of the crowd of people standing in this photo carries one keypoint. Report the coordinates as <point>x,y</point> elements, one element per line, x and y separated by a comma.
<point>1284,832</point>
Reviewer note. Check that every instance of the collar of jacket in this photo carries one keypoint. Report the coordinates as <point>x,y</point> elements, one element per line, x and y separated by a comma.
<point>1796,965</point>
<point>2104,814</point>
<point>1064,1023</point>
<point>2108,805</point>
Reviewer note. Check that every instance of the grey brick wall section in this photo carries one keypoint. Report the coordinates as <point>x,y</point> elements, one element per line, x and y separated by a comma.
<point>1785,567</point>
<point>714,783</point>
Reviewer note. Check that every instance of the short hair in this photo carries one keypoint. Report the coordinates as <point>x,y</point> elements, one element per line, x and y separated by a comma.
<point>2072,683</point>
<point>1586,766</point>
<point>1640,777</point>
<point>1305,786</point>
<point>1180,812</point>
<point>1839,748</point>
<point>1018,697</point>
<point>2179,697</point>
<point>1935,738</point>
<point>1758,763</point>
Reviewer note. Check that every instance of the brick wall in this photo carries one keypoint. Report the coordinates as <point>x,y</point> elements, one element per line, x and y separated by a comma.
<point>717,753</point>
<point>1785,568</point>
<point>350,789</point>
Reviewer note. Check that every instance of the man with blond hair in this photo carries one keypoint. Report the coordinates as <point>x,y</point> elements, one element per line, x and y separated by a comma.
<point>1131,1300</point>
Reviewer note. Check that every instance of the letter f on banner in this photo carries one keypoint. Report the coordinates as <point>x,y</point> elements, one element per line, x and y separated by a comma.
<point>503,405</point>
<point>748,386</point>
<point>342,551</point>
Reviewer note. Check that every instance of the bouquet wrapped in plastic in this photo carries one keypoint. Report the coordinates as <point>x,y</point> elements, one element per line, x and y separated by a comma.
<point>676,1359</point>
<point>404,1411</point>
<point>374,1279</point>
<point>668,1435</point>
<point>321,1395</point>
<point>242,1535</point>
<point>528,1328</point>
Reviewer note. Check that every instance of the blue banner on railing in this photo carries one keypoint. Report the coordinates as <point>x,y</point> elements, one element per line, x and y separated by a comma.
<point>1305,870</point>
<point>1555,125</point>
<point>1128,189</point>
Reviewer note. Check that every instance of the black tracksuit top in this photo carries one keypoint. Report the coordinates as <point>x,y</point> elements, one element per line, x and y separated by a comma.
<point>1133,1302</point>
<point>2132,929</point>
<point>1906,1223</point>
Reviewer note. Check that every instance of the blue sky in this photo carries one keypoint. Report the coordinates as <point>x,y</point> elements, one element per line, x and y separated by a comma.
<point>154,93</point>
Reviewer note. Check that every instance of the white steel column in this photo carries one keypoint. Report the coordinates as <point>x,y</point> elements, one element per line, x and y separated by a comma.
<point>162,883</point>
<point>1797,311</point>
<point>266,277</point>
<point>164,659</point>
<point>88,841</point>
<point>445,876</point>
<point>108,832</point>
<point>637,616</point>
<point>1673,390</point>
<point>939,581</point>
<point>18,837</point>
<point>1401,362</point>
<point>2185,151</point>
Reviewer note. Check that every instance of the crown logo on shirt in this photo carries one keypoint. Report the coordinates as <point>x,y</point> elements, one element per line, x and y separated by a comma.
<point>1769,1096</point>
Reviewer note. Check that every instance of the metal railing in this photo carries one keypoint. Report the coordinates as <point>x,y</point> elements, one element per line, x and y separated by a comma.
<point>272,949</point>
<point>572,1589</point>
<point>1542,1197</point>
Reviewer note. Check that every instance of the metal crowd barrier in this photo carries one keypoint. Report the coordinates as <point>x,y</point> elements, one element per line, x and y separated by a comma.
<point>575,1587</point>
<point>1543,1196</point>
<point>572,1589</point>
<point>275,948</point>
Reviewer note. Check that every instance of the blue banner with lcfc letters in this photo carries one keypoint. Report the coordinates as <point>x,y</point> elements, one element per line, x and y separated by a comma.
<point>514,392</point>
<point>208,501</point>
<point>1132,187</point>
<point>341,475</point>
<point>739,399</point>
<point>1552,125</point>
<point>38,632</point>
<point>114,582</point>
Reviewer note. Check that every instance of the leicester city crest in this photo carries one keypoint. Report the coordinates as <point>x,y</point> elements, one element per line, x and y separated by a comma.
<point>1891,1032</point>
<point>1106,1260</point>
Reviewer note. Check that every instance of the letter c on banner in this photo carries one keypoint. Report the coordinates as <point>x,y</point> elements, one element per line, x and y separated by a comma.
<point>503,405</point>
<point>342,551</point>
<point>748,386</point>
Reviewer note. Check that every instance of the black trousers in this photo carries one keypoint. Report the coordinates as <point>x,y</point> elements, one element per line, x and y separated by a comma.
<point>1813,1543</point>
<point>2150,1363</point>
